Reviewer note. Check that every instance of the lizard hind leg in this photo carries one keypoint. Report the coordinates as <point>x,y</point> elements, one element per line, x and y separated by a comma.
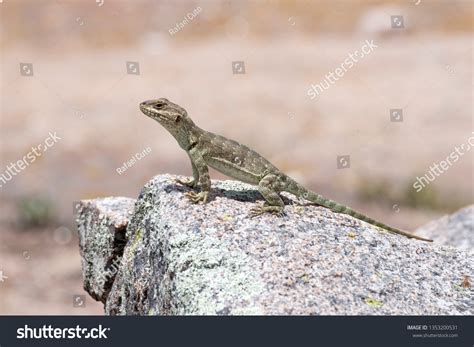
<point>273,202</point>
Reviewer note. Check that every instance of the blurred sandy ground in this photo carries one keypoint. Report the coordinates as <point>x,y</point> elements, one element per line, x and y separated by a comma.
<point>81,90</point>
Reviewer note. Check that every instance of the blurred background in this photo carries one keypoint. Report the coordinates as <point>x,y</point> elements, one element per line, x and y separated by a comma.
<point>75,72</point>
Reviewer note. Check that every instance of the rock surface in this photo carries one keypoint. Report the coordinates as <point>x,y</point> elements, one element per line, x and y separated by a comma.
<point>455,230</point>
<point>186,259</point>
<point>102,226</point>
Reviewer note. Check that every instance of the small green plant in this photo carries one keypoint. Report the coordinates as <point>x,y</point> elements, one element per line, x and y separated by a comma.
<point>430,198</point>
<point>351,234</point>
<point>380,191</point>
<point>426,198</point>
<point>373,190</point>
<point>34,212</point>
<point>373,302</point>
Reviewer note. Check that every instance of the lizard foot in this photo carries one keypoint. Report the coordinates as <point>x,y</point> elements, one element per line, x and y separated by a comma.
<point>197,197</point>
<point>191,183</point>
<point>261,209</point>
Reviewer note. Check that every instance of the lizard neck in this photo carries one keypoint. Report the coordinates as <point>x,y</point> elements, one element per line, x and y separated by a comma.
<point>188,135</point>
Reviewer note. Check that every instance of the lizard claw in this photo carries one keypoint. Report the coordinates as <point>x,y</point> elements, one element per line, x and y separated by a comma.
<point>256,211</point>
<point>191,183</point>
<point>197,197</point>
<point>259,210</point>
<point>279,214</point>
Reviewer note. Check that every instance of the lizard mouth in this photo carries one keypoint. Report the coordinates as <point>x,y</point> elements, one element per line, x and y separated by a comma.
<point>156,109</point>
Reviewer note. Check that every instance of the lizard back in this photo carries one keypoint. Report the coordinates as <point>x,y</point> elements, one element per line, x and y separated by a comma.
<point>234,159</point>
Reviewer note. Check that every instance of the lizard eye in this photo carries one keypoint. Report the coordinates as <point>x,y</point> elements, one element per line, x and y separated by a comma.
<point>158,106</point>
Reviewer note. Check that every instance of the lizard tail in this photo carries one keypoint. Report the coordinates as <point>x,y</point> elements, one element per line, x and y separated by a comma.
<point>300,191</point>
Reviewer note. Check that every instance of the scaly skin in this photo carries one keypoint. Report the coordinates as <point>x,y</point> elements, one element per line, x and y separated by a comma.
<point>239,162</point>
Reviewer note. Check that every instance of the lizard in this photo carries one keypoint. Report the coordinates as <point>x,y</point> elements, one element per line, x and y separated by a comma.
<point>206,149</point>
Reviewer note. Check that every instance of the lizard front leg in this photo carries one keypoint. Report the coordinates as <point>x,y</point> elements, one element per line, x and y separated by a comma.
<point>268,187</point>
<point>193,182</point>
<point>203,178</point>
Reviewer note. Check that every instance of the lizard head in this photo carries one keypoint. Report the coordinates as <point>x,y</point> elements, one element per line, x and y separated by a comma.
<point>163,111</point>
<point>172,117</point>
